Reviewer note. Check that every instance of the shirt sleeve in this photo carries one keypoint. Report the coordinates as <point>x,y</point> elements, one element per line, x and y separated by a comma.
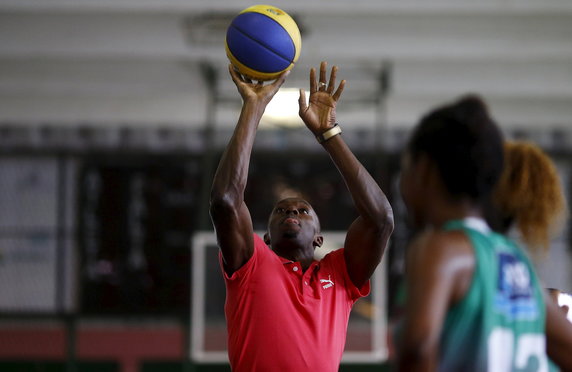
<point>245,270</point>
<point>338,262</point>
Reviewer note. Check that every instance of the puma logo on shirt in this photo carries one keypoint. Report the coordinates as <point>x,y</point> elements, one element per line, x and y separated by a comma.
<point>327,283</point>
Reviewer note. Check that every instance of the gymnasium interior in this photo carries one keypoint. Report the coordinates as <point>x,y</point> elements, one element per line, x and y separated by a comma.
<point>114,114</point>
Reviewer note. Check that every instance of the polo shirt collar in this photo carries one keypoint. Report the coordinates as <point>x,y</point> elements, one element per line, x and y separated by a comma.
<point>315,264</point>
<point>285,260</point>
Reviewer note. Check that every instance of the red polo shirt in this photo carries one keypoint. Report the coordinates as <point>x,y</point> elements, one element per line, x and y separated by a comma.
<point>282,319</point>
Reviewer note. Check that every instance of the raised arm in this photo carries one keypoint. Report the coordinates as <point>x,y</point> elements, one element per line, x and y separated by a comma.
<point>368,235</point>
<point>230,216</point>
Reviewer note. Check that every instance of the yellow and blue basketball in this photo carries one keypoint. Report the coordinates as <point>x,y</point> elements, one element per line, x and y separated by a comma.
<point>262,41</point>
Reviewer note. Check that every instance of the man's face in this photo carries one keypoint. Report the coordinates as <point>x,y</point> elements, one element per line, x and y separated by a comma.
<point>293,219</point>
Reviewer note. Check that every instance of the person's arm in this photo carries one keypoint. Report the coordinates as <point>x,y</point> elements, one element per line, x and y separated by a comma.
<point>558,336</point>
<point>367,237</point>
<point>229,214</point>
<point>438,273</point>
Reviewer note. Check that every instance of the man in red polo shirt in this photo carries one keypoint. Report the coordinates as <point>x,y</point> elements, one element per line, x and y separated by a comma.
<point>286,311</point>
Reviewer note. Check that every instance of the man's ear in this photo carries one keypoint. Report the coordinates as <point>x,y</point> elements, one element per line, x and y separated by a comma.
<point>565,308</point>
<point>267,239</point>
<point>318,241</point>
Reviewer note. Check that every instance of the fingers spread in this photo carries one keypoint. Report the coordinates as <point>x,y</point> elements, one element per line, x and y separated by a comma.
<point>339,91</point>
<point>323,68</point>
<point>321,85</point>
<point>313,83</point>
<point>332,83</point>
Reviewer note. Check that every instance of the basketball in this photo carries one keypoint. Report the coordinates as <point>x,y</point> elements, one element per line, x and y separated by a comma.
<point>263,41</point>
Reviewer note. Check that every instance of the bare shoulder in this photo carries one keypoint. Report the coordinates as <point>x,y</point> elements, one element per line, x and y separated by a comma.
<point>441,245</point>
<point>447,254</point>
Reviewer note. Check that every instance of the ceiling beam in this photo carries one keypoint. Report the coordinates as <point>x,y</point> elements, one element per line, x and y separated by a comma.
<point>330,7</point>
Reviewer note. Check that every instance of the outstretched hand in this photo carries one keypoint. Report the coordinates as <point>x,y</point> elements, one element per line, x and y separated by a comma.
<point>256,92</point>
<point>320,114</point>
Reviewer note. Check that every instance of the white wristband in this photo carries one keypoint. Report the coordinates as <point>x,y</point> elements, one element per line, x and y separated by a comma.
<point>333,131</point>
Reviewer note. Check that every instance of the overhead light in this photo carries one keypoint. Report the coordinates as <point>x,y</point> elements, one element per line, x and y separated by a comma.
<point>282,111</point>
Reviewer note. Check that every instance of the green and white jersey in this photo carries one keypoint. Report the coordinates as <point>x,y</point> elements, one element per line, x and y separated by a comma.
<point>499,324</point>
